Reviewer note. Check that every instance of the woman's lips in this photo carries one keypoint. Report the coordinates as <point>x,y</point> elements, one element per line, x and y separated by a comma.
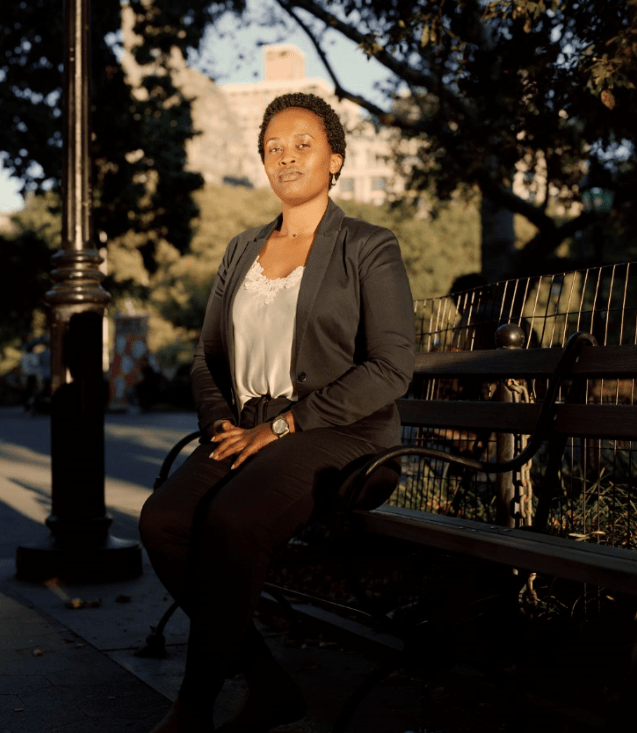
<point>290,175</point>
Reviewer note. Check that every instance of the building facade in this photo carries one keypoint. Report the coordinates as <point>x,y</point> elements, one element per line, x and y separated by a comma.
<point>217,150</point>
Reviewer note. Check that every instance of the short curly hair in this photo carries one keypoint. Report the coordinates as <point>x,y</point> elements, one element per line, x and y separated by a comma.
<point>331,122</point>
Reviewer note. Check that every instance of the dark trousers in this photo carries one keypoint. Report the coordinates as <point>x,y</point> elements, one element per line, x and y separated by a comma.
<point>210,532</point>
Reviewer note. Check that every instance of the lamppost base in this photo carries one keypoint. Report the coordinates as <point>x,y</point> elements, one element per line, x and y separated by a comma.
<point>114,559</point>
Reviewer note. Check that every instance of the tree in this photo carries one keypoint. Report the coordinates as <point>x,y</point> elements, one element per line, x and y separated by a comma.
<point>25,251</point>
<point>139,136</point>
<point>483,91</point>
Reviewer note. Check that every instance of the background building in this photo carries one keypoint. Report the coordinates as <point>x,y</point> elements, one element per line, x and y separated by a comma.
<point>218,150</point>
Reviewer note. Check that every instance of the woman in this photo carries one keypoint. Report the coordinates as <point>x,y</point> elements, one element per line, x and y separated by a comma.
<point>306,344</point>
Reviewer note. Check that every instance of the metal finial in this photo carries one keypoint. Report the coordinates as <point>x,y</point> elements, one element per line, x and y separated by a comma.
<point>510,336</point>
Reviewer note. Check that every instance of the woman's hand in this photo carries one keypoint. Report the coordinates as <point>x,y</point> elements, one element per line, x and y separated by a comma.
<point>241,442</point>
<point>244,442</point>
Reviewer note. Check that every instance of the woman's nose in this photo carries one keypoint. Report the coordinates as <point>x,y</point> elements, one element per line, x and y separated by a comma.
<point>288,157</point>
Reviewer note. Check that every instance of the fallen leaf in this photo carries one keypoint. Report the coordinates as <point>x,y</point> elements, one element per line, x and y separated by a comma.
<point>608,99</point>
<point>76,603</point>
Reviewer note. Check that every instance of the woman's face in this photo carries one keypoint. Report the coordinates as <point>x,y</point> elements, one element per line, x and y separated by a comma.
<point>298,159</point>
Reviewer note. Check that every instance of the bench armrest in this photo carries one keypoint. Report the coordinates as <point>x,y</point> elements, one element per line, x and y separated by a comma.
<point>172,455</point>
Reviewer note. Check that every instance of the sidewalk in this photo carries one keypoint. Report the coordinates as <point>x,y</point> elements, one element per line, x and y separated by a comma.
<point>70,669</point>
<point>52,680</point>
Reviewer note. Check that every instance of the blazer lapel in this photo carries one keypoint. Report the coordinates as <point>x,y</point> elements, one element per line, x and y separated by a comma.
<point>315,268</point>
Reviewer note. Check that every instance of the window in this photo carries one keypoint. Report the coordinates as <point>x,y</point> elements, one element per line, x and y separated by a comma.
<point>347,184</point>
<point>379,184</point>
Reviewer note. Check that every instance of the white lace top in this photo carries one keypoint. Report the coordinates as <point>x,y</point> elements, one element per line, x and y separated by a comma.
<point>263,317</point>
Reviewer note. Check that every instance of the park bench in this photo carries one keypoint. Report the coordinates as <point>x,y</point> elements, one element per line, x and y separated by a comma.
<point>511,541</point>
<point>476,420</point>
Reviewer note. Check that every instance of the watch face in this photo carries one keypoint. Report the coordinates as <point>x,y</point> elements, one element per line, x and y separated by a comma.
<point>280,426</point>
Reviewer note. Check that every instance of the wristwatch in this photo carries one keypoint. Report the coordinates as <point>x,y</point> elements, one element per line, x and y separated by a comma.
<point>279,426</point>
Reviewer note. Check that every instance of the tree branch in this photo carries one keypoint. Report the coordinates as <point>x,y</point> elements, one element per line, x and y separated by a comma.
<point>401,69</point>
<point>490,187</point>
<point>549,234</point>
<point>509,200</point>
<point>530,259</point>
<point>386,118</point>
<point>339,90</point>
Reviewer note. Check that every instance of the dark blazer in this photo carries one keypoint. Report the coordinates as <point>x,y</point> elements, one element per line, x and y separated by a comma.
<point>353,352</point>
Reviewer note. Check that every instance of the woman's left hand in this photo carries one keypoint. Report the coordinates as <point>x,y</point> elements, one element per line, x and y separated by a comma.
<point>242,442</point>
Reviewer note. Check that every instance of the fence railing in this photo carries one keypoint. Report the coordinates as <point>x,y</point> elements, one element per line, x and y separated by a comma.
<point>598,498</point>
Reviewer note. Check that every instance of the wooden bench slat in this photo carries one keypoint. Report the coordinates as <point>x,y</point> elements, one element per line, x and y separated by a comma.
<point>597,421</point>
<point>599,565</point>
<point>502,417</point>
<point>598,361</point>
<point>586,421</point>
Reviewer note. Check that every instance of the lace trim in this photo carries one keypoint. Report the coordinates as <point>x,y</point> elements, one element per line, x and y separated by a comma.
<point>257,282</point>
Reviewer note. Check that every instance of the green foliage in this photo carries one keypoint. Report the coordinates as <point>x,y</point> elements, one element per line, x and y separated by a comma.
<point>611,64</point>
<point>139,135</point>
<point>25,253</point>
<point>436,248</point>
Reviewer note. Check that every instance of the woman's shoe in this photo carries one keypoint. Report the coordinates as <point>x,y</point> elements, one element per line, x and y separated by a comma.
<point>265,709</point>
<point>170,722</point>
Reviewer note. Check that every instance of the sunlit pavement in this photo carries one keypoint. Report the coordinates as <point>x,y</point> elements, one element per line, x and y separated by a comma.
<point>74,669</point>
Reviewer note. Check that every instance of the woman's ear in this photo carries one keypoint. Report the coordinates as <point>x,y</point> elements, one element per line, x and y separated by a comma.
<point>336,163</point>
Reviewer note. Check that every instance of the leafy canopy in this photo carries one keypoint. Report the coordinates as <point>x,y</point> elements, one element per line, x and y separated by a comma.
<point>138,135</point>
<point>484,90</point>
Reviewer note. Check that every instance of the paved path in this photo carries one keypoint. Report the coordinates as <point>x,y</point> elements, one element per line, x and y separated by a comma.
<point>67,670</point>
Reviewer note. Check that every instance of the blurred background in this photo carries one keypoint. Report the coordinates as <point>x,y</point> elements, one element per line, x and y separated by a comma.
<point>494,138</point>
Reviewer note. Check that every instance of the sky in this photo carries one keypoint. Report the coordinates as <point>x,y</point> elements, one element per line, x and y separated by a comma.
<point>220,57</point>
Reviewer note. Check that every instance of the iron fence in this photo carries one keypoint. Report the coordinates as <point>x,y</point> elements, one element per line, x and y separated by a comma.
<point>598,497</point>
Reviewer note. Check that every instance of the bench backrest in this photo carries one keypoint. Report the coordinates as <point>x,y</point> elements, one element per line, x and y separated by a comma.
<point>591,420</point>
<point>456,399</point>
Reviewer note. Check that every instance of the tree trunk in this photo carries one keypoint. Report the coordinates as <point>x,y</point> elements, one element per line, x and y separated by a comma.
<point>498,239</point>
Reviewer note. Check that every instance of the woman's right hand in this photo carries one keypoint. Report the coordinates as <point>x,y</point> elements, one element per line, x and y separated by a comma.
<point>242,442</point>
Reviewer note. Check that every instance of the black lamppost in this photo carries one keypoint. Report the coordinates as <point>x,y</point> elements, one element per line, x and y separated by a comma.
<point>79,548</point>
<point>598,196</point>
